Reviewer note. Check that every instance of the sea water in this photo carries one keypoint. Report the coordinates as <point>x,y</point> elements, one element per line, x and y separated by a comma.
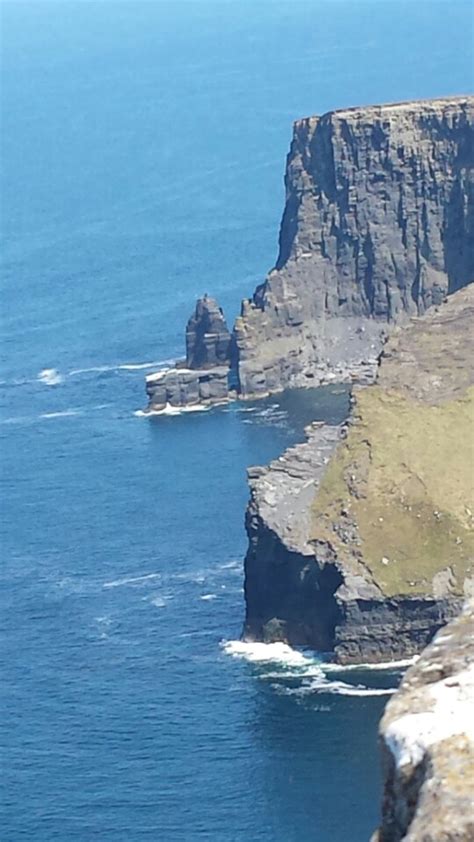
<point>143,151</point>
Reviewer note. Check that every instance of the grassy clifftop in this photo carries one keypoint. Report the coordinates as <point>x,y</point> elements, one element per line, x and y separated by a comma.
<point>397,500</point>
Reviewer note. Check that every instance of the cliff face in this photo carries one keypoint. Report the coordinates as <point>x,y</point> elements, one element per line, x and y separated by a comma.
<point>378,225</point>
<point>427,740</point>
<point>361,540</point>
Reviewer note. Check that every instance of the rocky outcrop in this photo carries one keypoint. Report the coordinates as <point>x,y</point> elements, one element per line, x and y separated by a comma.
<point>378,225</point>
<point>361,539</point>
<point>186,388</point>
<point>204,378</point>
<point>427,738</point>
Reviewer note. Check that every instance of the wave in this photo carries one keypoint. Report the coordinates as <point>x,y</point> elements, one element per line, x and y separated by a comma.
<point>264,652</point>
<point>335,688</point>
<point>173,410</point>
<point>50,377</point>
<point>384,666</point>
<point>312,673</point>
<point>207,597</point>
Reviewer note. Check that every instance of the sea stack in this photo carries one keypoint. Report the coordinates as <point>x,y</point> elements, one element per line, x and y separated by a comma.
<point>203,378</point>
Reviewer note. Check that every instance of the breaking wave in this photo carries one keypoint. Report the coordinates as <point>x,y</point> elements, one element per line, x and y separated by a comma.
<point>50,377</point>
<point>284,666</point>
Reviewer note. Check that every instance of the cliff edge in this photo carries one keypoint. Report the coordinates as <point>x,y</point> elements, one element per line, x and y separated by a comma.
<point>427,738</point>
<point>361,540</point>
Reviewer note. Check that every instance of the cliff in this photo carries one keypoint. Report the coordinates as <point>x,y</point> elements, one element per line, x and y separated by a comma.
<point>361,539</point>
<point>427,738</point>
<point>378,225</point>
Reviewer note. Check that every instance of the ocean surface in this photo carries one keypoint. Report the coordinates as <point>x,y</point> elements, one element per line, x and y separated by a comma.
<point>143,149</point>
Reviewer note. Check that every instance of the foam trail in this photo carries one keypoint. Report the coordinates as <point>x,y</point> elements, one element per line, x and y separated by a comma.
<point>142,366</point>
<point>98,369</point>
<point>65,414</point>
<point>384,665</point>
<point>131,580</point>
<point>320,687</point>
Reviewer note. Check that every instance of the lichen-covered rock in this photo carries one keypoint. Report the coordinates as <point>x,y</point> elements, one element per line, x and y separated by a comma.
<point>378,225</point>
<point>427,735</point>
<point>369,550</point>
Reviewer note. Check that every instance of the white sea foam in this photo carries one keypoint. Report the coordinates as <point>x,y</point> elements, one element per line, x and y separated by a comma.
<point>264,652</point>
<point>383,666</point>
<point>158,601</point>
<point>131,580</point>
<point>99,369</point>
<point>173,410</point>
<point>297,666</point>
<point>208,596</point>
<point>334,688</point>
<point>50,377</point>
<point>64,414</point>
<point>231,565</point>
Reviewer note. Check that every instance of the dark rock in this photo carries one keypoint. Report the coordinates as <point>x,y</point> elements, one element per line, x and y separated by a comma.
<point>180,388</point>
<point>207,336</point>
<point>378,225</point>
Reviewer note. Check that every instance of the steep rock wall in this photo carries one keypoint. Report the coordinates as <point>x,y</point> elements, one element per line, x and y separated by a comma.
<point>378,225</point>
<point>361,540</point>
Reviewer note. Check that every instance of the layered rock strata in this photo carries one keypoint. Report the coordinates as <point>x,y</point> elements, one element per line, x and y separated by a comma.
<point>361,539</point>
<point>207,336</point>
<point>378,225</point>
<point>427,737</point>
<point>204,377</point>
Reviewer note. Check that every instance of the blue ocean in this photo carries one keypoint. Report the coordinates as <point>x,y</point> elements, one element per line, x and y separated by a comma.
<point>143,148</point>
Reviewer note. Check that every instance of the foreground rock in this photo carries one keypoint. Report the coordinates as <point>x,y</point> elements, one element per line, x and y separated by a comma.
<point>361,540</point>
<point>427,736</point>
